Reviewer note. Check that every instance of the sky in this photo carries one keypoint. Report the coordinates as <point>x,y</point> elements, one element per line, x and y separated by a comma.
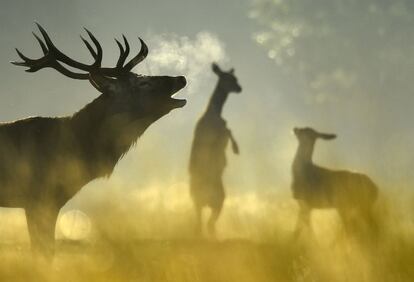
<point>342,66</point>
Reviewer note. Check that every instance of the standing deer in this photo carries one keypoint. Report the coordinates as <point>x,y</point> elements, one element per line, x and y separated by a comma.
<point>45,161</point>
<point>351,194</point>
<point>208,154</point>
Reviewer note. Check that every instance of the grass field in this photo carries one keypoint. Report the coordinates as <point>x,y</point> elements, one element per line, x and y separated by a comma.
<point>264,251</point>
<point>229,260</point>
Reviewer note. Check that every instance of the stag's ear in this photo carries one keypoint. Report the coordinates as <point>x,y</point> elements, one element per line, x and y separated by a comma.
<point>216,69</point>
<point>326,136</point>
<point>102,83</point>
<point>231,71</point>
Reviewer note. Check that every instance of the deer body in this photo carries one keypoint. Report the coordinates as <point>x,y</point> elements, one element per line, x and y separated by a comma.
<point>44,162</point>
<point>208,154</point>
<point>315,187</point>
<point>80,153</point>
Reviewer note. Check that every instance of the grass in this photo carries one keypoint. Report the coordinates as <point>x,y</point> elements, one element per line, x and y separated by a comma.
<point>267,252</point>
<point>204,260</point>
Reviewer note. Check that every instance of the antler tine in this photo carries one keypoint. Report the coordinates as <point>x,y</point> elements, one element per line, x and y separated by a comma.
<point>50,58</point>
<point>126,46</point>
<point>31,64</point>
<point>123,52</point>
<point>41,43</point>
<point>44,62</point>
<point>58,55</point>
<point>99,53</point>
<point>91,50</point>
<point>138,58</point>
<point>46,37</point>
<point>121,59</point>
<point>25,59</point>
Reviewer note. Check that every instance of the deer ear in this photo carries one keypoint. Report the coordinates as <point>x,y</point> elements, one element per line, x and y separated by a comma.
<point>231,71</point>
<point>326,136</point>
<point>216,69</point>
<point>102,83</point>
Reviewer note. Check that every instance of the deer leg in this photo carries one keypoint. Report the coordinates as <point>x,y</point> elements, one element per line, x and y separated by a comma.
<point>198,223</point>
<point>198,204</point>
<point>303,220</point>
<point>370,220</point>
<point>215,213</point>
<point>41,224</point>
<point>366,225</point>
<point>349,220</point>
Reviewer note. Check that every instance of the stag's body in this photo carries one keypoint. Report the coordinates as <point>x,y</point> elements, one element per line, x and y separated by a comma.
<point>44,162</point>
<point>208,154</point>
<point>53,158</point>
<point>350,193</point>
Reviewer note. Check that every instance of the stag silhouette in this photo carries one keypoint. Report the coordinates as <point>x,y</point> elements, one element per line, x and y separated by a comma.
<point>351,194</point>
<point>208,158</point>
<point>45,161</point>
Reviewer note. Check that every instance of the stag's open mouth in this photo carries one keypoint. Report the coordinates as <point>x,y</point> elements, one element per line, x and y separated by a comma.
<point>178,103</point>
<point>180,84</point>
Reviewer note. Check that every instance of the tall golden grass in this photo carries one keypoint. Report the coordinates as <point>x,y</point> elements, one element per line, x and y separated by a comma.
<point>153,241</point>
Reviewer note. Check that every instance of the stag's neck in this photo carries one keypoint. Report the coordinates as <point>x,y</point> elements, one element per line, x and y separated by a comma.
<point>303,155</point>
<point>86,122</point>
<point>217,100</point>
<point>103,141</point>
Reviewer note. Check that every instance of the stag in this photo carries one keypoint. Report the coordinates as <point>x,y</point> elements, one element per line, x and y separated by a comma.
<point>45,161</point>
<point>208,153</point>
<point>351,194</point>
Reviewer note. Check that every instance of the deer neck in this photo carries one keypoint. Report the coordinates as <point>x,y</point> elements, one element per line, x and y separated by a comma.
<point>303,155</point>
<point>218,99</point>
<point>103,141</point>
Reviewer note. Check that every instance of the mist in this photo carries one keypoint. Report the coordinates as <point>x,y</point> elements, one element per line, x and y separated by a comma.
<point>342,67</point>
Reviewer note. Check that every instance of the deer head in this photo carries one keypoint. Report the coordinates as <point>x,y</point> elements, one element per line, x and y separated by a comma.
<point>309,135</point>
<point>227,80</point>
<point>124,92</point>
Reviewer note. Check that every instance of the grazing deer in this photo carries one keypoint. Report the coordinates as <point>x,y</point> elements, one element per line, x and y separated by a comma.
<point>208,157</point>
<point>45,161</point>
<point>351,194</point>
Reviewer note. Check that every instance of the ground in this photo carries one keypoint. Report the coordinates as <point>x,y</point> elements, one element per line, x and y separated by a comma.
<point>305,259</point>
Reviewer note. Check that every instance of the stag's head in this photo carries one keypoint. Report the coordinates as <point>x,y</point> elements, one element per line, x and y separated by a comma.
<point>228,81</point>
<point>308,135</point>
<point>140,96</point>
<point>124,92</point>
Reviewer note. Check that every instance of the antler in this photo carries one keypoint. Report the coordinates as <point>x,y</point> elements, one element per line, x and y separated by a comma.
<point>138,58</point>
<point>53,58</point>
<point>124,54</point>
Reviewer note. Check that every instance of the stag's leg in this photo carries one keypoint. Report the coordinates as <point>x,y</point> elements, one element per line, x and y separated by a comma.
<point>41,223</point>
<point>303,220</point>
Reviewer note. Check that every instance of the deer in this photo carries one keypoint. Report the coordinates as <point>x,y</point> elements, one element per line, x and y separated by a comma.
<point>208,152</point>
<point>352,194</point>
<point>45,161</point>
